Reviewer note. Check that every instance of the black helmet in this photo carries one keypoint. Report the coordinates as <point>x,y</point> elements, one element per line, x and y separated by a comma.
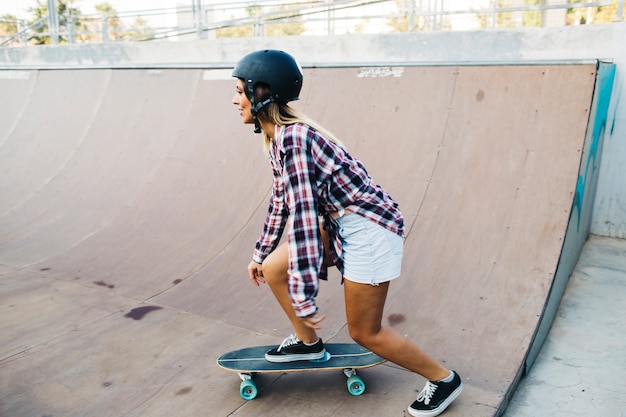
<point>279,70</point>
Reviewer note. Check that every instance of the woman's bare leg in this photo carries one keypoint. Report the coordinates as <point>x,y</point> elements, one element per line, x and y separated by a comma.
<point>364,311</point>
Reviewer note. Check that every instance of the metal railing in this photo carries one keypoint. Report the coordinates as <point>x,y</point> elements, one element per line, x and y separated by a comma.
<point>296,17</point>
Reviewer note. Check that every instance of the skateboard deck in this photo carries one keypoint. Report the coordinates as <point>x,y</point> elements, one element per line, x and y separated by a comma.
<point>347,357</point>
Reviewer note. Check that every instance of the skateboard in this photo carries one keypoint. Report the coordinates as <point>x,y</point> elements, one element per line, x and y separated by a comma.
<point>250,361</point>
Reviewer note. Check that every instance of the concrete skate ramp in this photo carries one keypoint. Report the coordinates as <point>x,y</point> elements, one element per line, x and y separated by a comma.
<point>131,201</point>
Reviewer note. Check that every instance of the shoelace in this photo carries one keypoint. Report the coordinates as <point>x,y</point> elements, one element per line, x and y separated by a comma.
<point>290,340</point>
<point>427,393</point>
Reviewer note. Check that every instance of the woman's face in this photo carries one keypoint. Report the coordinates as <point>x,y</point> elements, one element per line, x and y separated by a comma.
<point>243,104</point>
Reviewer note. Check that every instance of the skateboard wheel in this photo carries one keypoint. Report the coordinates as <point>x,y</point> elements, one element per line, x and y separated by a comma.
<point>356,386</point>
<point>248,390</point>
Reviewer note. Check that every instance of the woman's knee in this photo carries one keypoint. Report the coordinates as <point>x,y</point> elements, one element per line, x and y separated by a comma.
<point>357,335</point>
<point>363,335</point>
<point>275,265</point>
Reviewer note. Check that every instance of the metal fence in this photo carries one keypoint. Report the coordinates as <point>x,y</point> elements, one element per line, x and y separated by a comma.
<point>204,19</point>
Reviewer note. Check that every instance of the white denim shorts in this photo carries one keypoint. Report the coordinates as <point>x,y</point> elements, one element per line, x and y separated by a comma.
<point>371,253</point>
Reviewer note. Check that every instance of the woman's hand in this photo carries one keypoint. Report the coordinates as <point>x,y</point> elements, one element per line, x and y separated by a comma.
<point>255,271</point>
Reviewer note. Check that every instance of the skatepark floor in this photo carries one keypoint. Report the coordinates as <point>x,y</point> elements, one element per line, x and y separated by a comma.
<point>580,369</point>
<point>124,236</point>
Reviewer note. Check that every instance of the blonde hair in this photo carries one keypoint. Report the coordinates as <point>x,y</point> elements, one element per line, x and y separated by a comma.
<point>282,114</point>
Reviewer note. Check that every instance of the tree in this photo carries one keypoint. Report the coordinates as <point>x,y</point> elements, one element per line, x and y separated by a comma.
<point>139,31</point>
<point>401,24</point>
<point>586,15</point>
<point>240,31</point>
<point>113,22</point>
<point>9,25</point>
<point>606,14</point>
<point>67,23</point>
<point>292,26</point>
<point>503,19</point>
<point>235,32</point>
<point>280,21</point>
<point>532,18</point>
<point>73,26</point>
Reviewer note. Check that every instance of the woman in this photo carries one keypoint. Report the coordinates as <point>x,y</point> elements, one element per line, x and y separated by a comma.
<point>316,181</point>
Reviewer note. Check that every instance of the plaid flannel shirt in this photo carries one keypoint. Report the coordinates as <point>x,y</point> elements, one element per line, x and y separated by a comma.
<point>312,177</point>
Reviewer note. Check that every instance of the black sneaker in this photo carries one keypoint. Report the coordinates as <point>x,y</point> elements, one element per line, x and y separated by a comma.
<point>293,349</point>
<point>436,397</point>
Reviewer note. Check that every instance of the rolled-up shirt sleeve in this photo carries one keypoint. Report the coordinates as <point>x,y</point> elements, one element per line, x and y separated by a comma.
<point>275,219</point>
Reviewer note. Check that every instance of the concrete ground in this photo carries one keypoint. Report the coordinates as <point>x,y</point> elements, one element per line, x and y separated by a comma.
<point>580,370</point>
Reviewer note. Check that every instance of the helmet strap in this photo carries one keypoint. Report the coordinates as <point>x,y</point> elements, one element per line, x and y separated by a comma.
<point>257,126</point>
<point>255,110</point>
<point>256,107</point>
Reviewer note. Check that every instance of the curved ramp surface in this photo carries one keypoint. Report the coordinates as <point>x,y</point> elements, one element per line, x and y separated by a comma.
<point>131,200</point>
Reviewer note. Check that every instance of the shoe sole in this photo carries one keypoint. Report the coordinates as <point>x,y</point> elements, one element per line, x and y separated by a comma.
<point>442,407</point>
<point>296,358</point>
